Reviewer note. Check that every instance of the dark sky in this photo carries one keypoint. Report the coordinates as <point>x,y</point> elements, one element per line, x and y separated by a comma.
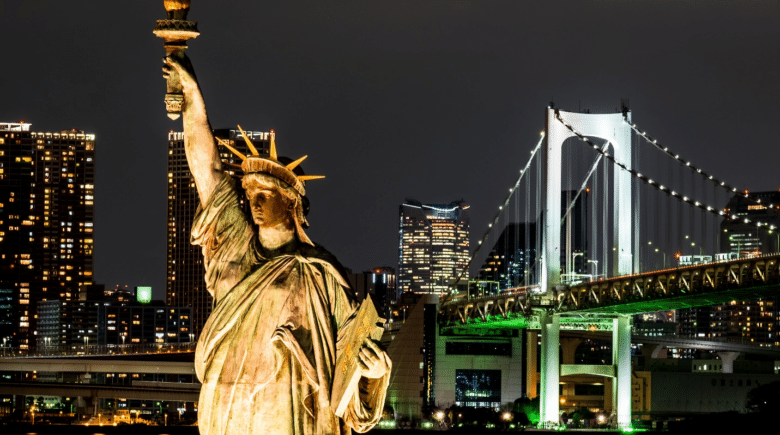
<point>435,100</point>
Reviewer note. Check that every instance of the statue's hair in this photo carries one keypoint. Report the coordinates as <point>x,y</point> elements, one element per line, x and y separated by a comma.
<point>297,215</point>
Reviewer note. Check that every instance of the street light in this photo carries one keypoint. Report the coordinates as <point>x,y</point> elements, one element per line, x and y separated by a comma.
<point>664,254</point>
<point>777,245</point>
<point>595,264</point>
<point>573,268</point>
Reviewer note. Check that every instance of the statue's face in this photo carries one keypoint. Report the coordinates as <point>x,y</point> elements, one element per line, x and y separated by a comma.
<point>269,207</point>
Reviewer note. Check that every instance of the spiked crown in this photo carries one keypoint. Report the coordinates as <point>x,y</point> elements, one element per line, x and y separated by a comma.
<point>256,164</point>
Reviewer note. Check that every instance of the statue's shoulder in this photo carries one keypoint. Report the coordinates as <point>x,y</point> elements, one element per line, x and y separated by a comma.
<point>328,261</point>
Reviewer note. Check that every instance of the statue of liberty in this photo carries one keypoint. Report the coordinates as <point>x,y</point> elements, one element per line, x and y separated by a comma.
<point>267,354</point>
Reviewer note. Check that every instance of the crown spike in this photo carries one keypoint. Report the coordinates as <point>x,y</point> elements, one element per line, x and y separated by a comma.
<point>248,142</point>
<point>226,143</point>
<point>273,145</point>
<point>310,177</point>
<point>295,164</point>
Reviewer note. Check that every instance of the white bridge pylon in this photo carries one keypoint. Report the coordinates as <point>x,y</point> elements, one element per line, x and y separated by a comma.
<point>615,129</point>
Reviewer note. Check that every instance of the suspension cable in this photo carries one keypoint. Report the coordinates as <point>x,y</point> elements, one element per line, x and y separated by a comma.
<point>500,210</point>
<point>650,182</point>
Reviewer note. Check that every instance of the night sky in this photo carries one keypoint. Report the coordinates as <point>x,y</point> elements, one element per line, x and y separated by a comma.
<point>436,100</point>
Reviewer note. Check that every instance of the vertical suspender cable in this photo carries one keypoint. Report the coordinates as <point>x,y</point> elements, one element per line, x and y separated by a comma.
<point>526,237</point>
<point>605,235</point>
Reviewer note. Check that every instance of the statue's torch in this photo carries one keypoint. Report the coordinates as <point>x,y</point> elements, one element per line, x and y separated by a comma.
<point>175,30</point>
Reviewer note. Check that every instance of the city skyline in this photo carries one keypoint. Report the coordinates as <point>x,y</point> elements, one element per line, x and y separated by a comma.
<point>389,99</point>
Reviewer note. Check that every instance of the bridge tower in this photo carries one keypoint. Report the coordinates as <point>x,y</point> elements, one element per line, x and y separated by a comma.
<point>613,128</point>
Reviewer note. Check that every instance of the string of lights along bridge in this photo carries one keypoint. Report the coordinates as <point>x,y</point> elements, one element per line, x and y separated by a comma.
<point>628,205</point>
<point>604,222</point>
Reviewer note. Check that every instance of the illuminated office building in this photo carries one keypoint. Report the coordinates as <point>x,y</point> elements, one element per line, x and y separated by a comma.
<point>377,284</point>
<point>750,322</point>
<point>46,223</point>
<point>185,284</point>
<point>741,237</point>
<point>511,262</point>
<point>433,245</point>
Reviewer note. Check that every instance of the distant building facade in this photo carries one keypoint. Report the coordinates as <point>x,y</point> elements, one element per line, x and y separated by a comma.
<point>73,326</point>
<point>185,283</point>
<point>749,322</point>
<point>511,261</point>
<point>433,245</point>
<point>378,284</point>
<point>47,185</point>
<point>738,236</point>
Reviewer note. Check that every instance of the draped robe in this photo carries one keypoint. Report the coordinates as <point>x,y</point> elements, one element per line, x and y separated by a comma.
<point>267,353</point>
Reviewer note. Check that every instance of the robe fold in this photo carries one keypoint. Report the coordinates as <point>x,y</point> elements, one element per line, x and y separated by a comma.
<point>267,353</point>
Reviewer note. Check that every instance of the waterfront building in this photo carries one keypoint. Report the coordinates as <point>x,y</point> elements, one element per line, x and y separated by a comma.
<point>433,245</point>
<point>47,185</point>
<point>185,284</point>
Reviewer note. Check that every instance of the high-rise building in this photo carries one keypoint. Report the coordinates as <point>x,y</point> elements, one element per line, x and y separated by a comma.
<point>72,326</point>
<point>750,322</point>
<point>46,223</point>
<point>739,233</point>
<point>433,245</point>
<point>511,262</point>
<point>377,284</point>
<point>186,286</point>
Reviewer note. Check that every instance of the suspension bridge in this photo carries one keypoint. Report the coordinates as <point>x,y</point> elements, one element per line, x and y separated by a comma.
<point>630,211</point>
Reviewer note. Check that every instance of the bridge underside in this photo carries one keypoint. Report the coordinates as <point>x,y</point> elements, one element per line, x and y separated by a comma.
<point>683,300</point>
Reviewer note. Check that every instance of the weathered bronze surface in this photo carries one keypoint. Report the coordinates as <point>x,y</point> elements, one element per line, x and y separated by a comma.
<point>283,310</point>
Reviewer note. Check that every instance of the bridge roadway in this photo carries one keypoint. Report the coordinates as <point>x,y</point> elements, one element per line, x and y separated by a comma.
<point>683,343</point>
<point>182,364</point>
<point>677,288</point>
<point>168,391</point>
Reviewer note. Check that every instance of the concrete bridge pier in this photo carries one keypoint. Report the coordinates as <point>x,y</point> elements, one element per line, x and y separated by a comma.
<point>549,403</point>
<point>621,360</point>
<point>550,372</point>
<point>728,361</point>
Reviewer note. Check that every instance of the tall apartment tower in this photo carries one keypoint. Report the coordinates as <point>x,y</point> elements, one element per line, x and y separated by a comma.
<point>46,223</point>
<point>185,284</point>
<point>433,245</point>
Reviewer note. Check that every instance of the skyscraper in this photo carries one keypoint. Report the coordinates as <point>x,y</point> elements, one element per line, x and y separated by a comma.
<point>511,262</point>
<point>46,223</point>
<point>433,245</point>
<point>739,233</point>
<point>185,284</point>
<point>753,322</point>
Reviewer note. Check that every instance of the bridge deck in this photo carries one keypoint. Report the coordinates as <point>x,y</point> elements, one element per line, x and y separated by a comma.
<point>684,287</point>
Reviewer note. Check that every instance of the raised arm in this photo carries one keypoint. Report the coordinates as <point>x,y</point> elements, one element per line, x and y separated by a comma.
<point>199,143</point>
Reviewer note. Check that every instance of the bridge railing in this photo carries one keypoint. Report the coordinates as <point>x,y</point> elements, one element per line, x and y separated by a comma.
<point>707,277</point>
<point>97,350</point>
<point>639,292</point>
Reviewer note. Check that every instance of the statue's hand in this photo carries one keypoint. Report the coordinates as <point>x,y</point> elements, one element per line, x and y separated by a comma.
<point>180,69</point>
<point>372,360</point>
